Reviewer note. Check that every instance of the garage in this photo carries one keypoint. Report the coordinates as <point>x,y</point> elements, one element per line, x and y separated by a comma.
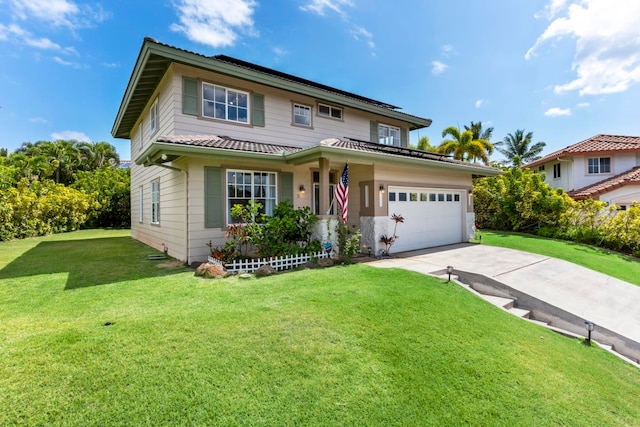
<point>432,216</point>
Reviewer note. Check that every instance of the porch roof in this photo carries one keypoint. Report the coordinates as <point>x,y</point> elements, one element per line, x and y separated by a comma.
<point>169,147</point>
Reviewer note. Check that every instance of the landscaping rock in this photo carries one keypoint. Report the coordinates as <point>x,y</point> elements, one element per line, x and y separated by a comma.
<point>264,271</point>
<point>211,270</point>
<point>244,276</point>
<point>325,262</point>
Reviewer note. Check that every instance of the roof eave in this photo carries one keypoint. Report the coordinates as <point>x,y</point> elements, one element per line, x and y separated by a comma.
<point>347,154</point>
<point>154,152</point>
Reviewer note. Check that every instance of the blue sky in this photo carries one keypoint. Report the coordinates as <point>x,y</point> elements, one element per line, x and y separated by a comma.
<point>564,69</point>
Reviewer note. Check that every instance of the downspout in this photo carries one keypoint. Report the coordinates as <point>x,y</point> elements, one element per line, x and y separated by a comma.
<point>186,201</point>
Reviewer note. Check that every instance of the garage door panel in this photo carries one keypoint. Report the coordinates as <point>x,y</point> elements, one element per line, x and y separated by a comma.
<point>432,217</point>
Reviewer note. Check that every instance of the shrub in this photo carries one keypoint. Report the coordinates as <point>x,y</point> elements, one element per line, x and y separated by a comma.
<point>111,188</point>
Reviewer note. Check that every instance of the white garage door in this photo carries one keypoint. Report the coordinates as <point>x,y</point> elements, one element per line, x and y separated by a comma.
<point>432,217</point>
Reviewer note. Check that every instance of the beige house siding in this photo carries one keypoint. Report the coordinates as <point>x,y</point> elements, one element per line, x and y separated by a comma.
<point>278,115</point>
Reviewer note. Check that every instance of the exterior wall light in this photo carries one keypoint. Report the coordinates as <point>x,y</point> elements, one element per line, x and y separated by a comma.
<point>301,189</point>
<point>382,188</point>
<point>449,271</point>
<point>590,327</point>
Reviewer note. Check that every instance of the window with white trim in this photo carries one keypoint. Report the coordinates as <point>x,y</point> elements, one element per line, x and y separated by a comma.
<point>155,202</point>
<point>556,170</point>
<point>244,186</point>
<point>597,165</point>
<point>219,102</point>
<point>140,204</point>
<point>330,111</point>
<point>153,117</point>
<point>333,209</point>
<point>301,115</point>
<point>388,135</point>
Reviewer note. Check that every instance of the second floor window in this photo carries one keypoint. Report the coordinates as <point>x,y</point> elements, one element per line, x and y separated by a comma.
<point>222,103</point>
<point>153,117</point>
<point>329,111</point>
<point>599,165</point>
<point>302,115</point>
<point>389,135</point>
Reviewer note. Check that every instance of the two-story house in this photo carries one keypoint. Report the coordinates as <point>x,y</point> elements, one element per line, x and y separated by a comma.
<point>209,132</point>
<point>603,167</point>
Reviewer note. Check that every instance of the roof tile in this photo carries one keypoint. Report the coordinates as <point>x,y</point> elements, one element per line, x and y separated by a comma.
<point>630,177</point>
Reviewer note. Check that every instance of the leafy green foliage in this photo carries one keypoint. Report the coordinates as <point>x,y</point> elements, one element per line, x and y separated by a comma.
<point>348,241</point>
<point>519,148</point>
<point>518,200</point>
<point>111,189</point>
<point>287,232</point>
<point>86,168</point>
<point>463,146</point>
<point>39,208</point>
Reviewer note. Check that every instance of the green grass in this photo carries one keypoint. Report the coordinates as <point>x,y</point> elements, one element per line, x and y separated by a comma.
<point>614,264</point>
<point>342,346</point>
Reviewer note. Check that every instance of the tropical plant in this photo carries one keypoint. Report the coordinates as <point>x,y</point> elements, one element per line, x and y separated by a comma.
<point>463,146</point>
<point>478,132</point>
<point>111,188</point>
<point>348,241</point>
<point>518,148</point>
<point>389,240</point>
<point>425,145</point>
<point>98,154</point>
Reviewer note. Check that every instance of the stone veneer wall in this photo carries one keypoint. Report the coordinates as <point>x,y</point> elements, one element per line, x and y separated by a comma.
<point>372,228</point>
<point>471,227</point>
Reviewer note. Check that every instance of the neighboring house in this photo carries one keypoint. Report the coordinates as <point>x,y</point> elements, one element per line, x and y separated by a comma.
<point>211,132</point>
<point>603,167</point>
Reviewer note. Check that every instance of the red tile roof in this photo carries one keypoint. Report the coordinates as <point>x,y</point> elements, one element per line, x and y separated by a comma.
<point>630,177</point>
<point>599,144</point>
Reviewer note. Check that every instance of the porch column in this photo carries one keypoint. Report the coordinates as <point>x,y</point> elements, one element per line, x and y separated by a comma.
<point>324,185</point>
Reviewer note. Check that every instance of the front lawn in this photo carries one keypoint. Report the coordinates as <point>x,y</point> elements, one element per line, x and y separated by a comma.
<point>614,264</point>
<point>92,333</point>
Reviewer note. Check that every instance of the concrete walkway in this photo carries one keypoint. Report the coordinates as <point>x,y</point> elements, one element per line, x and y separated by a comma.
<point>608,302</point>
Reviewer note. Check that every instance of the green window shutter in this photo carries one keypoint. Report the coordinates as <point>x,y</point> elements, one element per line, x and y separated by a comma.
<point>213,198</point>
<point>374,131</point>
<point>257,111</point>
<point>404,137</point>
<point>189,96</point>
<point>285,187</point>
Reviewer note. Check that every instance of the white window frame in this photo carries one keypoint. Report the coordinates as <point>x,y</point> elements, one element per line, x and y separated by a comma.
<point>155,202</point>
<point>153,117</point>
<point>389,135</point>
<point>595,167</point>
<point>296,109</point>
<point>315,195</point>
<point>332,112</point>
<point>557,171</point>
<point>270,197</point>
<point>141,204</point>
<point>227,103</point>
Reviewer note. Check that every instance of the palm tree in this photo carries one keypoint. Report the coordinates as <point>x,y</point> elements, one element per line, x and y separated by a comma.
<point>65,157</point>
<point>462,144</point>
<point>478,132</point>
<point>425,145</point>
<point>97,154</point>
<point>518,148</point>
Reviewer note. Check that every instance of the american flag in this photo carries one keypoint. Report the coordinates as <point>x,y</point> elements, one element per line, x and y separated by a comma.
<point>342,192</point>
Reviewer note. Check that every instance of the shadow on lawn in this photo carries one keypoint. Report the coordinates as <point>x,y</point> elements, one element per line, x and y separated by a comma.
<point>90,262</point>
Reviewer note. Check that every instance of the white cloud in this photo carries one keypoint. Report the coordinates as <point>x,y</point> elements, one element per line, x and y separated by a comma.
<point>70,135</point>
<point>481,102</point>
<point>59,13</point>
<point>556,112</point>
<point>214,23</point>
<point>279,51</point>
<point>438,67</point>
<point>583,104</point>
<point>361,33</point>
<point>19,35</point>
<point>38,120</point>
<point>607,52</point>
<point>69,63</point>
<point>551,10</point>
<point>448,51</point>
<point>321,6</point>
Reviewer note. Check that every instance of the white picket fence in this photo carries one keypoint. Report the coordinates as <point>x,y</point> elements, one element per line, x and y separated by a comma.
<point>279,263</point>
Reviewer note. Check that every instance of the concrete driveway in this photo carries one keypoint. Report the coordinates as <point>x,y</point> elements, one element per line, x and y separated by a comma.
<point>610,303</point>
